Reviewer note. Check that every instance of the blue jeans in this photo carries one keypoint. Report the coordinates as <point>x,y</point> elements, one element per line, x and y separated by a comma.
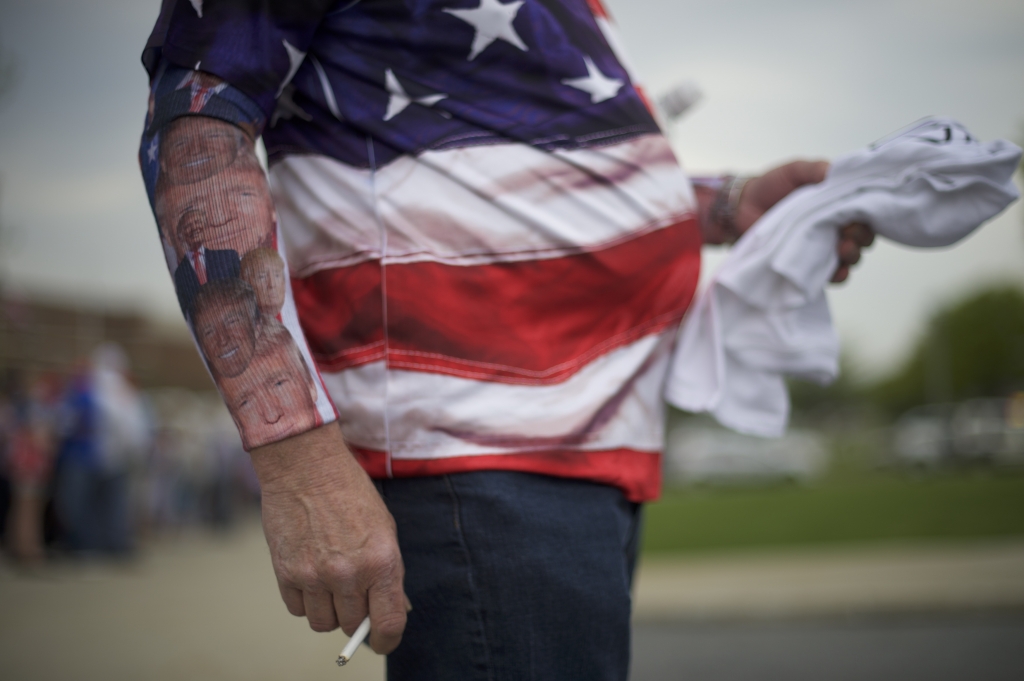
<point>513,576</point>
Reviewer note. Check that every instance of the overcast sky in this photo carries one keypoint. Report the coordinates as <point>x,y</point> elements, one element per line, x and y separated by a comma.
<point>782,79</point>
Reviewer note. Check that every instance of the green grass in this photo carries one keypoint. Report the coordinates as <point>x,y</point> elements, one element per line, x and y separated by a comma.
<point>856,500</point>
<point>873,508</point>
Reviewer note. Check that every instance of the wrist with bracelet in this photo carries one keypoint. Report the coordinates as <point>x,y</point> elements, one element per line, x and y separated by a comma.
<point>725,205</point>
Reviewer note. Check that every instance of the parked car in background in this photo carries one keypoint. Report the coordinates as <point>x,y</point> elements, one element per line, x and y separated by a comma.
<point>922,436</point>
<point>704,454</point>
<point>989,430</point>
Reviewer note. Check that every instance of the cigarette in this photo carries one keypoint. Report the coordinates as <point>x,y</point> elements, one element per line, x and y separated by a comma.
<point>353,643</point>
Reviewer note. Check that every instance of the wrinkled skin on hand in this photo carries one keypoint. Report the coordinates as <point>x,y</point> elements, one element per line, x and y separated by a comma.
<point>332,540</point>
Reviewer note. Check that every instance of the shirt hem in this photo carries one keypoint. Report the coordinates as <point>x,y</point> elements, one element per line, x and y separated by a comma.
<point>637,473</point>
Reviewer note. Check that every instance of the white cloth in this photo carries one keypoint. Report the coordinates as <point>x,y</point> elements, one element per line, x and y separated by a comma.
<point>765,316</point>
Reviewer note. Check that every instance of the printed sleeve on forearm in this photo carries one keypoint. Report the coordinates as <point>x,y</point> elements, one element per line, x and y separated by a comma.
<point>218,229</point>
<point>253,45</point>
<point>176,92</point>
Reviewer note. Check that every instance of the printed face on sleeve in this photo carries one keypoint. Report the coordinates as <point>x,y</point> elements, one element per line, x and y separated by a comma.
<point>225,322</point>
<point>275,397</point>
<point>230,209</point>
<point>193,150</point>
<point>263,269</point>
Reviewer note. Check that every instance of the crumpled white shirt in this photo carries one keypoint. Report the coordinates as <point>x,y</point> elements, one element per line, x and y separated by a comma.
<point>764,315</point>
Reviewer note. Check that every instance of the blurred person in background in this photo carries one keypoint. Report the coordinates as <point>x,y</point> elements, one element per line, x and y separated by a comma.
<point>160,483</point>
<point>7,383</point>
<point>106,435</point>
<point>223,492</point>
<point>192,474</point>
<point>30,463</point>
<point>77,471</point>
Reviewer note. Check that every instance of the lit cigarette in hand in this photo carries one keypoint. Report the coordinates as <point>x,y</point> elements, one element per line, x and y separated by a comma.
<point>353,643</point>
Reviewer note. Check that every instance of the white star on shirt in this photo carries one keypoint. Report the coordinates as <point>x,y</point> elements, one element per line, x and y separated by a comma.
<point>197,5</point>
<point>399,99</point>
<point>599,86</point>
<point>492,21</point>
<point>295,57</point>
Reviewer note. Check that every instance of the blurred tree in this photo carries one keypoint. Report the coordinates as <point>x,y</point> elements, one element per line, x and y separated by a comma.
<point>974,348</point>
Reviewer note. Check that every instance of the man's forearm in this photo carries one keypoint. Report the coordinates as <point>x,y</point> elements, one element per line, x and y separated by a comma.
<point>332,541</point>
<point>727,207</point>
<point>218,226</point>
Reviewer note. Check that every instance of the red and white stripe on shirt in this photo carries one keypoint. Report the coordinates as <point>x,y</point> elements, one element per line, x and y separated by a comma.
<point>495,307</point>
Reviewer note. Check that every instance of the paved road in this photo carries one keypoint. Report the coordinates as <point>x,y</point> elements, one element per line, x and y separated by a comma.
<point>981,647</point>
<point>826,581</point>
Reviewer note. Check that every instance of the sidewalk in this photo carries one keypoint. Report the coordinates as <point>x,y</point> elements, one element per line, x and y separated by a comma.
<point>202,607</point>
<point>196,608</point>
<point>841,581</point>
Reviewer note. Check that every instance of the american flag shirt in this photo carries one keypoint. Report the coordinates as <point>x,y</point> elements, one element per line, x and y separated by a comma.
<point>490,243</point>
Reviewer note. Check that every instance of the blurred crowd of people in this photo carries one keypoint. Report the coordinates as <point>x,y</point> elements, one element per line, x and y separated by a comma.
<point>89,464</point>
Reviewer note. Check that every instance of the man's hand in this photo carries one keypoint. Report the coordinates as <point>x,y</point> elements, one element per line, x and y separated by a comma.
<point>852,239</point>
<point>332,541</point>
<point>761,193</point>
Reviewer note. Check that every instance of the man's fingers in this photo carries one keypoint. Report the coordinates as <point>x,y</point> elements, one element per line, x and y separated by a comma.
<point>849,252</point>
<point>800,173</point>
<point>351,609</point>
<point>859,233</point>
<point>387,617</point>
<point>841,273</point>
<point>292,598</point>
<point>384,601</point>
<point>852,239</point>
<point>388,605</point>
<point>319,607</point>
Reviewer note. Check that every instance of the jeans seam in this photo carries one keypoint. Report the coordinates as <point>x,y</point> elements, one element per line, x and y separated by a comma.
<point>457,520</point>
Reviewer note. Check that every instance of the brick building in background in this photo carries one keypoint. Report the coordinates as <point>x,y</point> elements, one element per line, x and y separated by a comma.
<point>40,336</point>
